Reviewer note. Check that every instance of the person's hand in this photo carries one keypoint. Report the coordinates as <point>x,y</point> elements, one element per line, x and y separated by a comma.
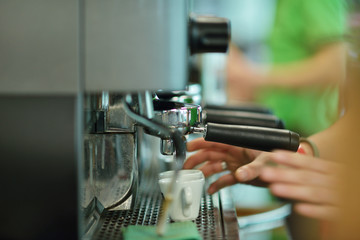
<point>217,157</point>
<point>312,182</point>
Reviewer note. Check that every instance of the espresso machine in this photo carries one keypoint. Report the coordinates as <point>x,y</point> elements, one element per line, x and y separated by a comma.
<point>128,125</point>
<point>85,118</point>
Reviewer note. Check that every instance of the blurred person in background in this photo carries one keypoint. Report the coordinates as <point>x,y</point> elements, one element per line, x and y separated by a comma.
<point>307,63</point>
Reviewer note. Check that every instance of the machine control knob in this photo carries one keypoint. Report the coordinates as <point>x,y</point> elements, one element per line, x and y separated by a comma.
<point>209,34</point>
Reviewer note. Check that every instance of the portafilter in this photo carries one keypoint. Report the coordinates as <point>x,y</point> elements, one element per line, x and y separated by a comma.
<point>187,118</point>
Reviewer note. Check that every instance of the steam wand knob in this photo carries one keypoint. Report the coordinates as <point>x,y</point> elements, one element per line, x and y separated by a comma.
<point>209,34</point>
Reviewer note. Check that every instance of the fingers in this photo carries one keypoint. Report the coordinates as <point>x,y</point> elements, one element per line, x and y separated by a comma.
<point>247,173</point>
<point>305,193</point>
<point>305,162</point>
<point>311,182</point>
<point>324,212</point>
<point>301,184</point>
<point>209,151</point>
<point>203,156</point>
<point>211,168</point>
<point>298,176</point>
<point>252,170</point>
<point>221,182</point>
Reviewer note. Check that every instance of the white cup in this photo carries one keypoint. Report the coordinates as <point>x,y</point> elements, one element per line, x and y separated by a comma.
<point>187,193</point>
<point>190,173</point>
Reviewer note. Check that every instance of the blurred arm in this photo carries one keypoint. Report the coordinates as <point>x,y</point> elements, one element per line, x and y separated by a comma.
<point>327,66</point>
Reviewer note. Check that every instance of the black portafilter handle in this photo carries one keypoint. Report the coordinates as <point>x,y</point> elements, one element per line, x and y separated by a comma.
<point>244,107</point>
<point>242,118</point>
<point>259,138</point>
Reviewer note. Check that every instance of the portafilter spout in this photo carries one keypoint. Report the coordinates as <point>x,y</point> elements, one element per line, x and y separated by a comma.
<point>183,117</point>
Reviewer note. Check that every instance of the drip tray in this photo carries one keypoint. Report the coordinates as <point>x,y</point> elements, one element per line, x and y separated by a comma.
<point>216,220</point>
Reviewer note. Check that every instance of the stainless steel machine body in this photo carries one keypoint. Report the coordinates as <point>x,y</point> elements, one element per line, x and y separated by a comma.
<point>40,121</point>
<point>135,45</point>
<point>70,152</point>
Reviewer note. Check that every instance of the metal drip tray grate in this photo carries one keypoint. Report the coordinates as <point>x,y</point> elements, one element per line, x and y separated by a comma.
<point>147,212</point>
<point>212,223</point>
<point>216,220</point>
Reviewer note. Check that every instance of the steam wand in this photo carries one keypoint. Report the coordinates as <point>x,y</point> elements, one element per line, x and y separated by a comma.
<point>180,154</point>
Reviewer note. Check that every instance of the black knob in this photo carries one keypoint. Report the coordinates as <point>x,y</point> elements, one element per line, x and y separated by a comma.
<point>209,34</point>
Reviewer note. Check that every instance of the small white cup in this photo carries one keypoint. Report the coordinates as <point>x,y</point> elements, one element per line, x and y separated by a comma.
<point>190,173</point>
<point>187,193</point>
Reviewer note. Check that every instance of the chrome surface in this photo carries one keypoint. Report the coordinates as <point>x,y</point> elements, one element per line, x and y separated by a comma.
<point>104,113</point>
<point>183,117</point>
<point>116,119</point>
<point>109,167</point>
<point>201,130</point>
<point>166,147</point>
<point>110,170</point>
<point>228,212</point>
<point>146,107</point>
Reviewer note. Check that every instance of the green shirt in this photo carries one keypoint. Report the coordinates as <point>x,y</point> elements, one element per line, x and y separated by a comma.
<point>301,27</point>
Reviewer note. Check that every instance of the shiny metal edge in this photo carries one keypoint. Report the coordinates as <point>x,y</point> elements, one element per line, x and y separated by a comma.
<point>227,212</point>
